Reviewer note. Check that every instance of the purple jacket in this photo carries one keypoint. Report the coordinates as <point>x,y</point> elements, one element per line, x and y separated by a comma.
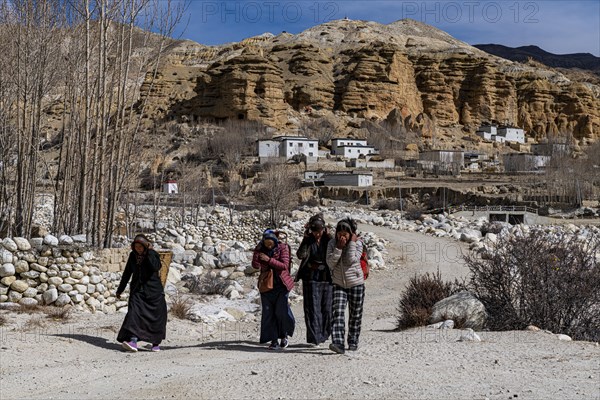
<point>279,263</point>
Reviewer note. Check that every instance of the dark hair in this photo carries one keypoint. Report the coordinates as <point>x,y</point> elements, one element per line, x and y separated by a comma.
<point>346,225</point>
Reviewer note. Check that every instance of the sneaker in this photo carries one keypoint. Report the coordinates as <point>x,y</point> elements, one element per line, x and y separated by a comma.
<point>352,347</point>
<point>284,343</point>
<point>337,348</point>
<point>130,346</point>
<point>155,348</point>
<point>274,345</point>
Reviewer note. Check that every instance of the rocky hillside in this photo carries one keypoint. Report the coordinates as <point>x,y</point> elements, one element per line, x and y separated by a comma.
<point>359,70</point>
<point>585,61</point>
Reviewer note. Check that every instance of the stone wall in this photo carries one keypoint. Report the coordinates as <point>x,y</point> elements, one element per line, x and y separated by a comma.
<point>41,271</point>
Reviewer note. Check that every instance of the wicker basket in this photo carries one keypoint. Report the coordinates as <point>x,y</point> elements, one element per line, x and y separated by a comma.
<point>165,263</point>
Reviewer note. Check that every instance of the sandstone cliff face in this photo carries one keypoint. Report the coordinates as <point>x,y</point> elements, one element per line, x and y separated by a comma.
<point>359,69</point>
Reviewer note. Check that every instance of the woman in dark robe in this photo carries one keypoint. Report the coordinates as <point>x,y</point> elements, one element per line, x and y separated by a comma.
<point>146,318</point>
<point>316,281</point>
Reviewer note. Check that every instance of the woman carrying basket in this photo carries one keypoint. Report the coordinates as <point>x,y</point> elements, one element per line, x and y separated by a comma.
<point>146,318</point>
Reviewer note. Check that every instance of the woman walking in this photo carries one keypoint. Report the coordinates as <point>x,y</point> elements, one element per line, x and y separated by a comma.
<point>343,258</point>
<point>277,322</point>
<point>146,318</point>
<point>316,280</point>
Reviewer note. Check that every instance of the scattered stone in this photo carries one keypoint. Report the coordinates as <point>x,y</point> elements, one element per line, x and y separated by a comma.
<point>469,336</point>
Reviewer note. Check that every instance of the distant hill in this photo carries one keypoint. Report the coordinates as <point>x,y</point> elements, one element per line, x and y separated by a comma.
<point>576,60</point>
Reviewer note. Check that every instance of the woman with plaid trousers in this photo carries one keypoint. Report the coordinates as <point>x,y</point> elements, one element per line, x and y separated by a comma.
<point>343,258</point>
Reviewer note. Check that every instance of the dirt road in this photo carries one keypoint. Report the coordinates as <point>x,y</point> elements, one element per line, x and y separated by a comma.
<point>79,359</point>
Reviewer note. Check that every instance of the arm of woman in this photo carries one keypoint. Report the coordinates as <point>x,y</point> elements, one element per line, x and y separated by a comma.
<point>304,249</point>
<point>283,261</point>
<point>333,254</point>
<point>352,252</point>
<point>256,263</point>
<point>126,274</point>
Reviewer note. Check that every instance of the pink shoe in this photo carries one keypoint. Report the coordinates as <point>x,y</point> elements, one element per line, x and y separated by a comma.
<point>130,346</point>
<point>155,348</point>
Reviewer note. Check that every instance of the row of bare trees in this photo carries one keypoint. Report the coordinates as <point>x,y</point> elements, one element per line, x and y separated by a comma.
<point>79,61</point>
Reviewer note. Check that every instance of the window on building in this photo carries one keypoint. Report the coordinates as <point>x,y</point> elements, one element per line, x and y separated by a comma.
<point>311,145</point>
<point>300,144</point>
<point>310,154</point>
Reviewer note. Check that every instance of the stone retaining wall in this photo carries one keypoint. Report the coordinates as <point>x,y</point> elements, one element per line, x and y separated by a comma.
<point>43,272</point>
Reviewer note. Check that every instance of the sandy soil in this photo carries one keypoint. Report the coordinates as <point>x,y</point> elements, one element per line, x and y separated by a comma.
<point>79,359</point>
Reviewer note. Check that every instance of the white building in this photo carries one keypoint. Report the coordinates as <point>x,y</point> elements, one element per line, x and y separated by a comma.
<point>355,151</point>
<point>341,142</point>
<point>487,132</point>
<point>361,179</point>
<point>170,187</point>
<point>510,134</point>
<point>442,161</point>
<point>524,162</point>
<point>551,149</point>
<point>370,163</point>
<point>286,147</point>
<point>501,134</point>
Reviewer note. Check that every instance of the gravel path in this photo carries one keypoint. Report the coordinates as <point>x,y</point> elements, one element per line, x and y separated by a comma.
<point>79,359</point>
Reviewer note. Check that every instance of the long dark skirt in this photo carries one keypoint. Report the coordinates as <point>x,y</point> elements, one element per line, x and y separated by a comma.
<point>277,320</point>
<point>146,319</point>
<point>318,298</point>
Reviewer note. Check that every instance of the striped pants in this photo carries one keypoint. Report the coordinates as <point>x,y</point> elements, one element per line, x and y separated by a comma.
<point>354,297</point>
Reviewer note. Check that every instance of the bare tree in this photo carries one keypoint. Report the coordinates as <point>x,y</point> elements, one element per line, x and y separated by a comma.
<point>278,189</point>
<point>83,54</point>
<point>321,129</point>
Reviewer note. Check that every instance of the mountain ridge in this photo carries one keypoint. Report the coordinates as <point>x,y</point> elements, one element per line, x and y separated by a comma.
<point>521,54</point>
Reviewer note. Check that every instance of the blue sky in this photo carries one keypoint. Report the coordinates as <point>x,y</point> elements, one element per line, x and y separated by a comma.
<point>557,26</point>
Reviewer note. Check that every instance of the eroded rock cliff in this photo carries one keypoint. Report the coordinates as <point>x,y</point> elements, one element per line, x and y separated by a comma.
<point>359,69</point>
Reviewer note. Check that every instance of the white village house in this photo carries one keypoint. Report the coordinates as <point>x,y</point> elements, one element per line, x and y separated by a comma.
<point>286,147</point>
<point>351,148</point>
<point>524,162</point>
<point>170,187</point>
<point>501,134</point>
<point>355,178</point>
<point>442,161</point>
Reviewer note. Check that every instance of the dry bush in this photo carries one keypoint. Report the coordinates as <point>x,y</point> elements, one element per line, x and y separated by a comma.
<point>421,294</point>
<point>547,280</point>
<point>28,308</point>
<point>33,323</point>
<point>58,313</point>
<point>3,320</point>
<point>180,306</point>
<point>205,285</point>
<point>414,211</point>
<point>388,204</point>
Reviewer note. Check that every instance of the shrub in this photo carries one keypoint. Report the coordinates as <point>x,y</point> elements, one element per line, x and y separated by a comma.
<point>28,308</point>
<point>421,294</point>
<point>58,313</point>
<point>205,285</point>
<point>3,320</point>
<point>180,306</point>
<point>547,280</point>
<point>388,204</point>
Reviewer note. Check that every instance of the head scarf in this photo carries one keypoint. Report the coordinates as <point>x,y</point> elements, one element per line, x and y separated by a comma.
<point>269,234</point>
<point>316,223</point>
<point>143,240</point>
